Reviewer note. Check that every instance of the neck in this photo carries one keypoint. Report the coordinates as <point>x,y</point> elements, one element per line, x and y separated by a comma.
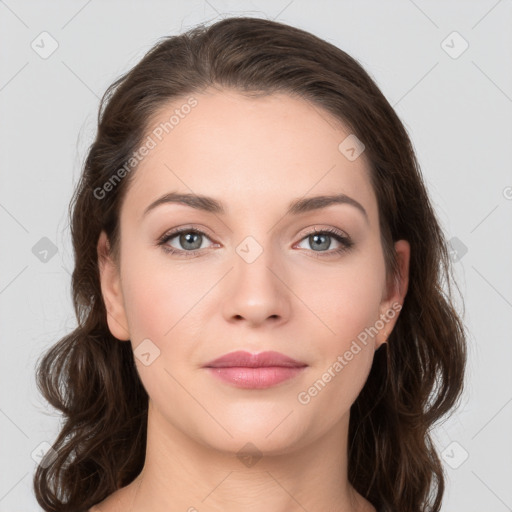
<point>182,474</point>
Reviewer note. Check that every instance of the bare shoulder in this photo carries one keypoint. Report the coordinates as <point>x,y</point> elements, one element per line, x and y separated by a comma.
<point>96,508</point>
<point>116,502</point>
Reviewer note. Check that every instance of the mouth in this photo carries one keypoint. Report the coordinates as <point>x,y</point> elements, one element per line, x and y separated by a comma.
<point>255,371</point>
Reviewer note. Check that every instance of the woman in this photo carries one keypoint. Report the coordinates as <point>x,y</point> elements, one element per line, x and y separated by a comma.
<point>258,287</point>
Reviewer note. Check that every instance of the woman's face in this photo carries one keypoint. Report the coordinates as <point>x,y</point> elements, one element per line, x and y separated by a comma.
<point>256,278</point>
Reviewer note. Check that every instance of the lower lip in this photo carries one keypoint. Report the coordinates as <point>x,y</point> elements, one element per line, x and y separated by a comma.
<point>256,378</point>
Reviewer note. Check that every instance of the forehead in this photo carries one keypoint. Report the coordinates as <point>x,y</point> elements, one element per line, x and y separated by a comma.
<point>248,152</point>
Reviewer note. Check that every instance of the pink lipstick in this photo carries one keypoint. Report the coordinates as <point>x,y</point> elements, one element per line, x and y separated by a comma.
<point>255,371</point>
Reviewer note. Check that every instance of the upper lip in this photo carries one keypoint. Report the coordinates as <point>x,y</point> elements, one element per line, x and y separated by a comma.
<point>240,358</point>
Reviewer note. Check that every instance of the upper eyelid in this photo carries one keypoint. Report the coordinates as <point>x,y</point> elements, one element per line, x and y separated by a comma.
<point>185,229</point>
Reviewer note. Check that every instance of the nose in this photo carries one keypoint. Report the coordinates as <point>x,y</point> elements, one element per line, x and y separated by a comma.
<point>257,292</point>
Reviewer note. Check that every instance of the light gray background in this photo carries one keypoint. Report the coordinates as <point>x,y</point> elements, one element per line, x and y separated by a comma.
<point>457,111</point>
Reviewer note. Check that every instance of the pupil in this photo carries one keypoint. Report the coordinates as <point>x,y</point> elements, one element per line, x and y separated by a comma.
<point>189,239</point>
<point>325,244</point>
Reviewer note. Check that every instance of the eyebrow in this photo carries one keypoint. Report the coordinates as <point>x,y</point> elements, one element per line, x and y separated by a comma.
<point>296,207</point>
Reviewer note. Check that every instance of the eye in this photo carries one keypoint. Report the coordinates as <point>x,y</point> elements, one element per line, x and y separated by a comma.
<point>189,240</point>
<point>321,239</point>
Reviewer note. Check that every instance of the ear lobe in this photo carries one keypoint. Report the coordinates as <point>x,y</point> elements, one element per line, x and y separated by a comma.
<point>111,290</point>
<point>396,291</point>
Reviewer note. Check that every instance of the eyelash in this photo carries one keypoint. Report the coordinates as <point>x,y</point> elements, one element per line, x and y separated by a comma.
<point>345,241</point>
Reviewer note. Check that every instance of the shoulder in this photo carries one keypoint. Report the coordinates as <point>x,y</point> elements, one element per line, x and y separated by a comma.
<point>118,501</point>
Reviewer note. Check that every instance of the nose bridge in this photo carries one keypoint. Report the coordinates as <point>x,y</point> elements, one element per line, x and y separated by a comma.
<point>257,291</point>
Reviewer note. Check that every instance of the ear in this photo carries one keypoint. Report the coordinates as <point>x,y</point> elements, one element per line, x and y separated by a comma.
<point>111,290</point>
<point>394,295</point>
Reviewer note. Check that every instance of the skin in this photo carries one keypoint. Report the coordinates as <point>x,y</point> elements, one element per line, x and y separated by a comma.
<point>255,155</point>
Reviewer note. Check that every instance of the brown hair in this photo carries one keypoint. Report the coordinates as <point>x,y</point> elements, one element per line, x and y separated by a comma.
<point>416,378</point>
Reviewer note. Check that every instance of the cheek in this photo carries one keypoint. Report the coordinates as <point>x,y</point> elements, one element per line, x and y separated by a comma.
<point>346,299</point>
<point>161,303</point>
<point>159,298</point>
<point>344,353</point>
